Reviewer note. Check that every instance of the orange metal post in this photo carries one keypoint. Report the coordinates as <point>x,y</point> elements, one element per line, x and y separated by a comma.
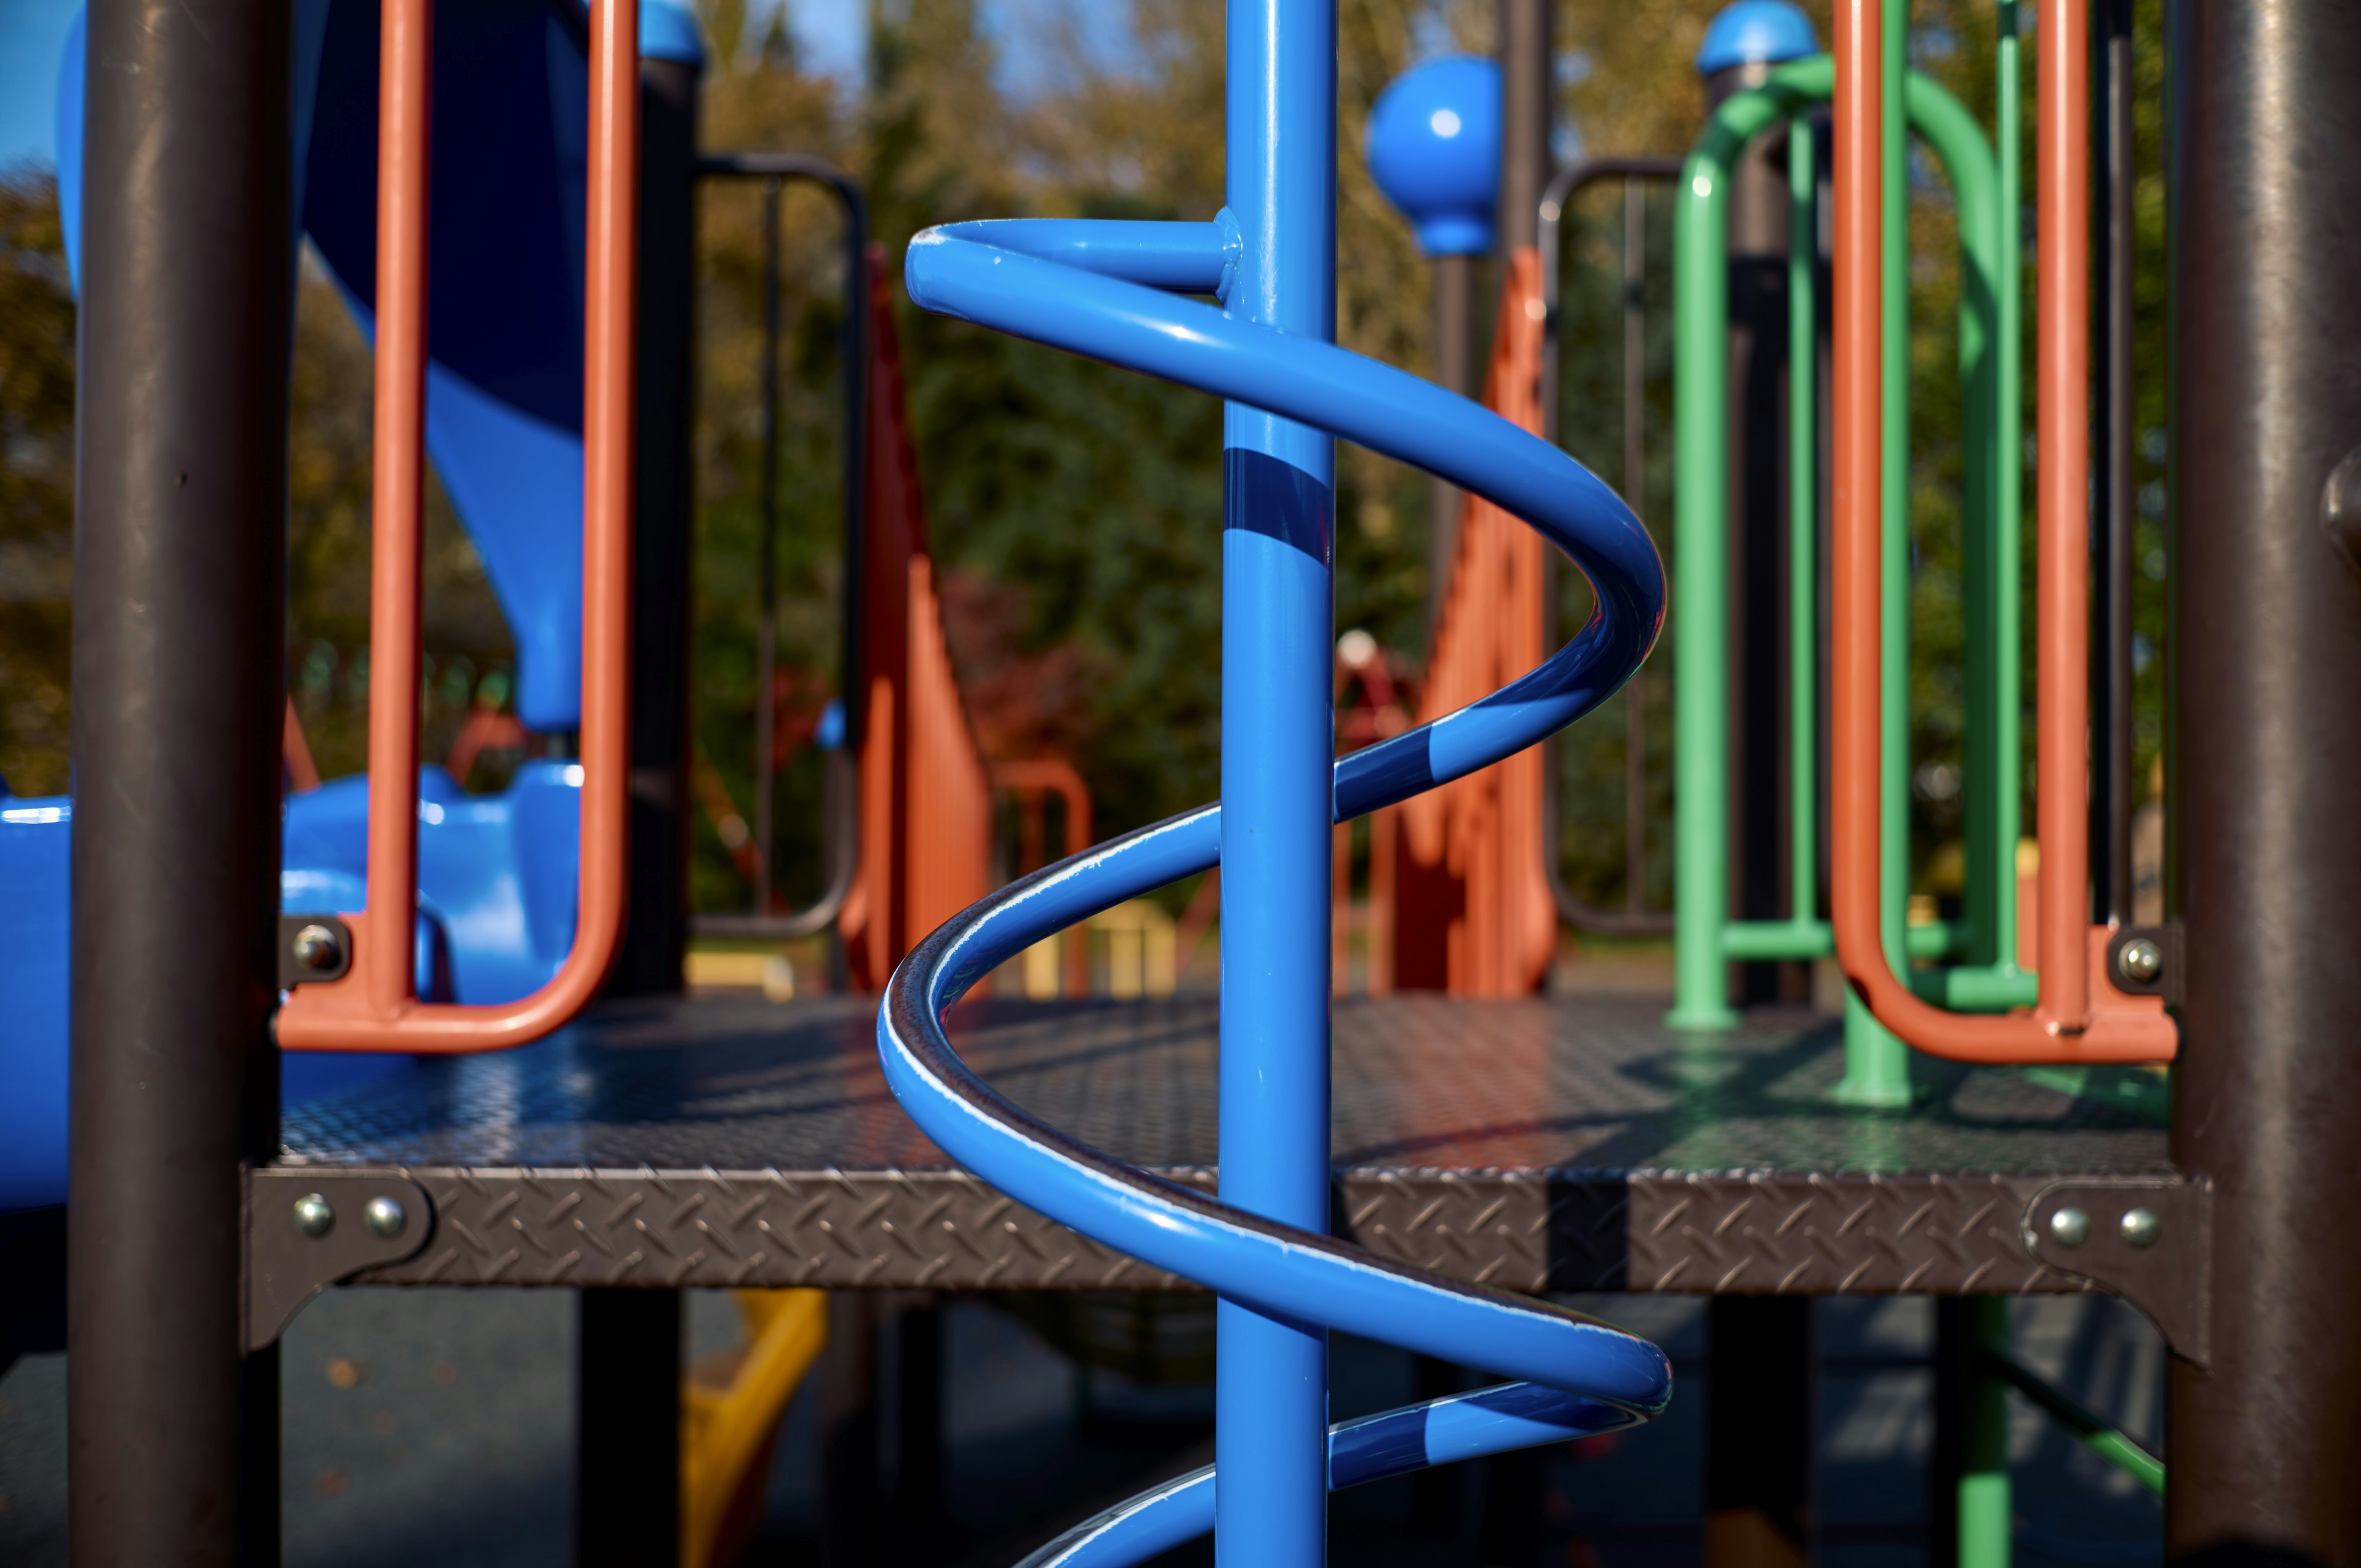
<point>2080,1016</point>
<point>1473,893</point>
<point>374,1007</point>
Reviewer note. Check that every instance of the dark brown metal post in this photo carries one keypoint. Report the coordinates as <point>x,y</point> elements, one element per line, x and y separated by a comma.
<point>656,935</point>
<point>1454,367</point>
<point>1635,483</point>
<point>1759,811</point>
<point>2265,862</point>
<point>766,625</point>
<point>2112,511</point>
<point>627,1464</point>
<point>1758,1457</point>
<point>628,1346</point>
<point>180,599</point>
<point>1512,1532</point>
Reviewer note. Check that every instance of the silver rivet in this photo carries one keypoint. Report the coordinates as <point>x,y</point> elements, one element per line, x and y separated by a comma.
<point>2141,1227</point>
<point>2070,1227</point>
<point>384,1217</point>
<point>314,1217</point>
<point>317,947</point>
<point>2140,961</point>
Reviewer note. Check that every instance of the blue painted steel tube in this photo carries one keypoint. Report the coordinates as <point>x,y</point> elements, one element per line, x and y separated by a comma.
<point>1270,1403</point>
<point>1261,1246</point>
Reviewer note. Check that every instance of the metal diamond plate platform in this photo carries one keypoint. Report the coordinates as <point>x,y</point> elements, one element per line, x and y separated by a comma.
<point>1546,1145</point>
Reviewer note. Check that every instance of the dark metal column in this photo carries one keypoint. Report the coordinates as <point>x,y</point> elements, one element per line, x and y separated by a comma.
<point>1512,1534</point>
<point>2112,510</point>
<point>2265,867</point>
<point>1454,367</point>
<point>664,514</point>
<point>628,1349</point>
<point>626,1467</point>
<point>180,599</point>
<point>852,1522</point>
<point>1758,1454</point>
<point>1759,879</point>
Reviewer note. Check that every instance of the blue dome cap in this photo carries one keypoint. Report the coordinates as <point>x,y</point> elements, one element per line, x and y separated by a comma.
<point>1756,32</point>
<point>1435,150</point>
<point>668,31</point>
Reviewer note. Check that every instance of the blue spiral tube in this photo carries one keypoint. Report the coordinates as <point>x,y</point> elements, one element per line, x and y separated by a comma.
<point>1110,291</point>
<point>1064,283</point>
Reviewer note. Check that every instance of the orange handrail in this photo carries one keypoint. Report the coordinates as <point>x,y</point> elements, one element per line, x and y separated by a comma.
<point>2081,1017</point>
<point>375,1007</point>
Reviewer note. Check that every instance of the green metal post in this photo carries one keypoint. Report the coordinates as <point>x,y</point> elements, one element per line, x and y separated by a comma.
<point>1984,1504</point>
<point>1991,306</point>
<point>1700,570</point>
<point>1705,940</point>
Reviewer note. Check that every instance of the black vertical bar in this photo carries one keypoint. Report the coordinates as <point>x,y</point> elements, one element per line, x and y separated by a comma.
<point>180,599</point>
<point>766,628</point>
<point>2265,864</point>
<point>919,1434</point>
<point>852,1512</point>
<point>656,934</point>
<point>1512,1532</point>
<point>1455,369</point>
<point>627,1468</point>
<point>1635,425</point>
<point>1758,1463</point>
<point>1757,531</point>
<point>2113,511</point>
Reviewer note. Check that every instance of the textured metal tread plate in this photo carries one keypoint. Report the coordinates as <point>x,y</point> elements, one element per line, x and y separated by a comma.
<point>1570,1144</point>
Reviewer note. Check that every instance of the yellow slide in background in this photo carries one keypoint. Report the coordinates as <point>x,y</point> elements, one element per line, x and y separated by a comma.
<point>730,1406</point>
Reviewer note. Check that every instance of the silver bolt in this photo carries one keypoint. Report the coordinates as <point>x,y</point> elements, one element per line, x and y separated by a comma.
<point>317,947</point>
<point>314,1216</point>
<point>2141,1227</point>
<point>384,1217</point>
<point>2070,1227</point>
<point>2140,961</point>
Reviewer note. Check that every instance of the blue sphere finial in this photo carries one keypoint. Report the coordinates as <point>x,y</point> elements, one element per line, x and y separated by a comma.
<point>1756,32</point>
<point>1435,150</point>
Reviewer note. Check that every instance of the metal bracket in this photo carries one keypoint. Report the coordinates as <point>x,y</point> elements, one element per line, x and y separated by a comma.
<point>307,1229</point>
<point>2168,957</point>
<point>312,948</point>
<point>2147,1239</point>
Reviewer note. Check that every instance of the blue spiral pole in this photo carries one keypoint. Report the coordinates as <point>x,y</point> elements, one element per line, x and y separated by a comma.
<point>1270,1380</point>
<point>1108,290</point>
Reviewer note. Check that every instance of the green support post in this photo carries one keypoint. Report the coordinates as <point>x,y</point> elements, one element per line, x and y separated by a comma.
<point>1700,569</point>
<point>1984,1499</point>
<point>1705,940</point>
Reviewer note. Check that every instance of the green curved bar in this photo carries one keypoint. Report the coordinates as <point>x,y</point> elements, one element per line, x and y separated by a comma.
<point>1706,940</point>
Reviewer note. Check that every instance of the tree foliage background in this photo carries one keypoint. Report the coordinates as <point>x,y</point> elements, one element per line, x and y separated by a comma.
<point>1075,508</point>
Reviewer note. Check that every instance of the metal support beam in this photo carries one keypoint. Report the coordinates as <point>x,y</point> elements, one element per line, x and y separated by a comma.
<point>1758,1454</point>
<point>657,932</point>
<point>627,1467</point>
<point>2113,501</point>
<point>1454,367</point>
<point>1756,641</point>
<point>180,602</point>
<point>2264,864</point>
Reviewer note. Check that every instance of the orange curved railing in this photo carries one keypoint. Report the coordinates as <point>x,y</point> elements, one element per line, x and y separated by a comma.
<point>374,1006</point>
<point>2080,1016</point>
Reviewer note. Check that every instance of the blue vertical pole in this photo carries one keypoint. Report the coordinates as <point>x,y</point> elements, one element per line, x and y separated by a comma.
<point>1277,747</point>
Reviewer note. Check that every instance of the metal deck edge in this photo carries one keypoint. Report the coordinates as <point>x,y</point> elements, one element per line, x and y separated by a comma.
<point>1732,1232</point>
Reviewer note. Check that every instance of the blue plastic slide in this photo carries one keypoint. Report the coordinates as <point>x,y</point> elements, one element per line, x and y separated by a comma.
<point>497,873</point>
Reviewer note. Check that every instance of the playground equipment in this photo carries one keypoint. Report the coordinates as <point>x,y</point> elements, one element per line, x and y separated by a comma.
<point>1091,288</point>
<point>602,1162</point>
